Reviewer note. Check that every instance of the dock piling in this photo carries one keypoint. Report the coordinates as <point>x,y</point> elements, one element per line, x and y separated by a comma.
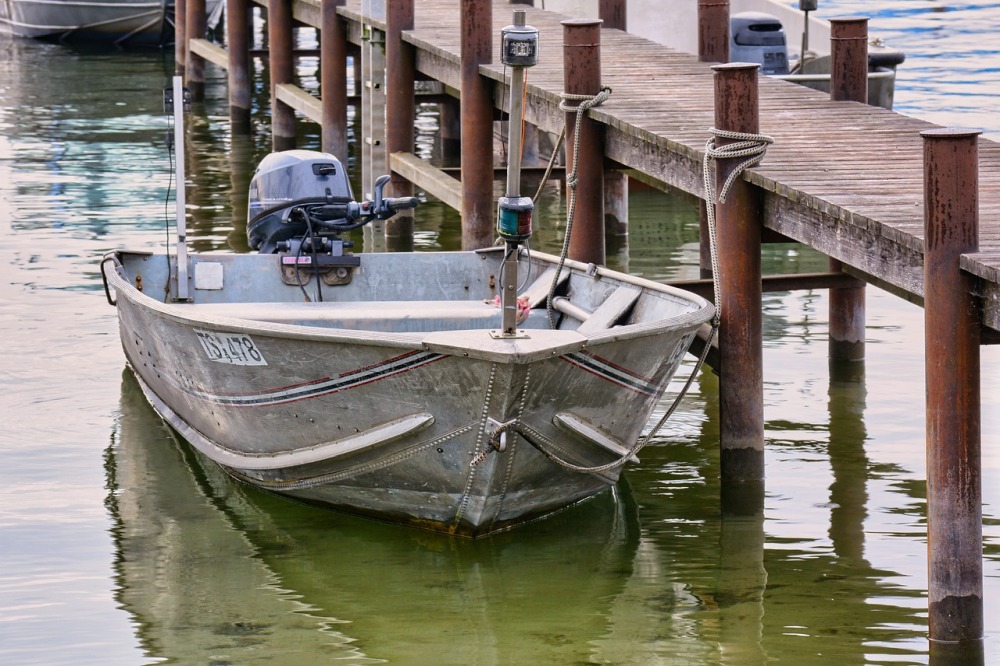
<point>400,74</point>
<point>196,22</point>
<point>280,46</point>
<point>713,46</point>
<point>180,36</point>
<point>477,125</point>
<point>741,387</point>
<point>238,51</point>
<point>613,13</point>
<point>848,82</point>
<point>713,30</point>
<point>582,76</point>
<point>952,338</point>
<point>333,80</point>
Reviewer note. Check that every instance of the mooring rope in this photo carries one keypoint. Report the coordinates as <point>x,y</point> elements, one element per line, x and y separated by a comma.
<point>586,102</point>
<point>745,145</point>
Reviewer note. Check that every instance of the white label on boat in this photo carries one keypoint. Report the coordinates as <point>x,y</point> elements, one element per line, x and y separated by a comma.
<point>232,348</point>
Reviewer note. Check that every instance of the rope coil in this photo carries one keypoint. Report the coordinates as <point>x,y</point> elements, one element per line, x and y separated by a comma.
<point>752,147</point>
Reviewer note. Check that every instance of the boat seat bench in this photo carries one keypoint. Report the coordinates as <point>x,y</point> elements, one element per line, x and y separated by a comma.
<point>412,316</point>
<point>385,316</point>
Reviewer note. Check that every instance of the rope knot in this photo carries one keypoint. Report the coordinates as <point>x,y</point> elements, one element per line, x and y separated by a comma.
<point>751,146</point>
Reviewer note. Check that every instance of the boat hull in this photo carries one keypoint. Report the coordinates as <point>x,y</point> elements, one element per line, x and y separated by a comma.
<point>455,431</point>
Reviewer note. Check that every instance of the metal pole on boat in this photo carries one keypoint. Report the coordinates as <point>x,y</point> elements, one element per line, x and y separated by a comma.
<point>519,50</point>
<point>181,204</point>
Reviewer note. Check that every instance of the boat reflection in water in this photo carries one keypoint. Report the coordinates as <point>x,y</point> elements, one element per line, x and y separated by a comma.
<point>210,568</point>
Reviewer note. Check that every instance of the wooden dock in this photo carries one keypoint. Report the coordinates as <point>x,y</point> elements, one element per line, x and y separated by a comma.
<point>844,178</point>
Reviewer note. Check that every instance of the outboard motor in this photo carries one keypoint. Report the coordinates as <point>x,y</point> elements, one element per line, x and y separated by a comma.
<point>758,37</point>
<point>304,196</point>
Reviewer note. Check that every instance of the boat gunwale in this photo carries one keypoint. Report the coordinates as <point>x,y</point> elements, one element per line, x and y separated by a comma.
<point>702,312</point>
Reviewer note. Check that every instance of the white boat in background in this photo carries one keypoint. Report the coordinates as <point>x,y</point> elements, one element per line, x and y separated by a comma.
<point>121,22</point>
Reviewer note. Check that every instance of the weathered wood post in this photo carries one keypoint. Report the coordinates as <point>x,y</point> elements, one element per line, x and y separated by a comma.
<point>848,82</point>
<point>238,46</point>
<point>741,383</point>
<point>713,46</point>
<point>400,72</point>
<point>477,125</point>
<point>582,76</point>
<point>279,36</point>
<point>952,321</point>
<point>333,80</point>
<point>180,36</point>
<point>194,65</point>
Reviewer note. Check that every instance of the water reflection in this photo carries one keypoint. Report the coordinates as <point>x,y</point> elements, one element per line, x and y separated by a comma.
<point>655,571</point>
<point>211,568</point>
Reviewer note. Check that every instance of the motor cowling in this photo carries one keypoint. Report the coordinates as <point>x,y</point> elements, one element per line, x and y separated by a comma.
<point>758,37</point>
<point>288,180</point>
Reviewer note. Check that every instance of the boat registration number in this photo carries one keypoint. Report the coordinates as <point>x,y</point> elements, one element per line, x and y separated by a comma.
<point>232,348</point>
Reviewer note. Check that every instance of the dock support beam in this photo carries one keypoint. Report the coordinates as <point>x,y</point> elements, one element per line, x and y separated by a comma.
<point>333,80</point>
<point>238,47</point>
<point>848,82</point>
<point>477,125</point>
<point>400,74</point>
<point>952,321</point>
<point>582,76</point>
<point>194,65</point>
<point>741,383</point>
<point>279,37</point>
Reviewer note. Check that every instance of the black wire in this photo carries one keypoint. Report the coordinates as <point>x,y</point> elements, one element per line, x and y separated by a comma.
<point>298,274</point>
<point>312,243</point>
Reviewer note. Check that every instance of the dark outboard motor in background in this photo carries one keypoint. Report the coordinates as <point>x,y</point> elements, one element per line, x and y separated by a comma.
<point>758,37</point>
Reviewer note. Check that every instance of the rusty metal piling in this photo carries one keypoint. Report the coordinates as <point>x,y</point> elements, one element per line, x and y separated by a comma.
<point>713,46</point>
<point>400,72</point>
<point>713,30</point>
<point>196,22</point>
<point>280,57</point>
<point>180,36</point>
<point>477,124</point>
<point>952,338</point>
<point>582,76</point>
<point>238,47</point>
<point>613,13</point>
<point>848,82</point>
<point>333,80</point>
<point>741,387</point>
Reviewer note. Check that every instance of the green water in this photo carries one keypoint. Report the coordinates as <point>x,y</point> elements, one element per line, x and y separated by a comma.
<point>118,545</point>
